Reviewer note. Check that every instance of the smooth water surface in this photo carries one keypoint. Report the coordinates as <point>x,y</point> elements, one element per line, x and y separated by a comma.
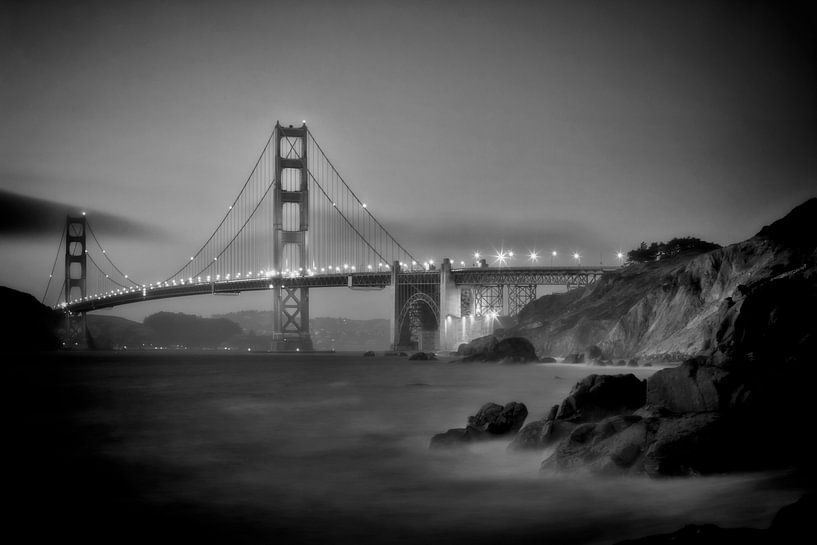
<point>334,449</point>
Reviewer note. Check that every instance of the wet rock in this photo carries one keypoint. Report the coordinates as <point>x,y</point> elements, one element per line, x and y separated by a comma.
<point>612,445</point>
<point>690,445</point>
<point>542,433</point>
<point>690,388</point>
<point>592,354</point>
<point>599,396</point>
<point>457,437</point>
<point>574,358</point>
<point>510,350</point>
<point>478,346</point>
<point>498,420</point>
<point>423,356</point>
<point>491,421</point>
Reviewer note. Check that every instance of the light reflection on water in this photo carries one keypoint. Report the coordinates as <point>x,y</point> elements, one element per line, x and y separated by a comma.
<point>334,448</point>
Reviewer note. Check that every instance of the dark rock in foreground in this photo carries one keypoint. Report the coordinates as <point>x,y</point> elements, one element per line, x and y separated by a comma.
<point>793,524</point>
<point>598,396</point>
<point>491,421</point>
<point>423,356</point>
<point>593,398</point>
<point>488,349</point>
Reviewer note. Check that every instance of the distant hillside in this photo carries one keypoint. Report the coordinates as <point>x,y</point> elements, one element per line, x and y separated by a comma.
<point>113,333</point>
<point>327,333</point>
<point>26,324</point>
<point>672,307</point>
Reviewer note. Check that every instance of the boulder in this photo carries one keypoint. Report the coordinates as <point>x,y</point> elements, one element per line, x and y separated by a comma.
<point>457,437</point>
<point>547,359</point>
<point>542,433</point>
<point>478,346</point>
<point>621,363</point>
<point>690,445</point>
<point>423,356</point>
<point>612,445</point>
<point>368,354</point>
<point>632,362</point>
<point>574,358</point>
<point>510,350</point>
<point>599,396</point>
<point>691,387</point>
<point>498,420</point>
<point>592,353</point>
<point>491,421</point>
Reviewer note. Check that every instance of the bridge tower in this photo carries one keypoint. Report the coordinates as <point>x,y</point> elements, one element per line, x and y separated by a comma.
<point>75,280</point>
<point>290,244</point>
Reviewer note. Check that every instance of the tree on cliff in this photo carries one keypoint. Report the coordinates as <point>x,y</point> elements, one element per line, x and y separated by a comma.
<point>661,250</point>
<point>185,329</point>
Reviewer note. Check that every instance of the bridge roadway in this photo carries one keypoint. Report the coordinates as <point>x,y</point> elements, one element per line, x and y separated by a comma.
<point>572,275</point>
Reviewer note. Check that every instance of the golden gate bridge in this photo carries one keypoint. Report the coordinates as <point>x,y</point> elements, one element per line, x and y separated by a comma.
<point>296,225</point>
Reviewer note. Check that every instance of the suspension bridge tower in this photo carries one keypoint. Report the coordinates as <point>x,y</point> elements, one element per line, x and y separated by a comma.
<point>290,243</point>
<point>76,274</point>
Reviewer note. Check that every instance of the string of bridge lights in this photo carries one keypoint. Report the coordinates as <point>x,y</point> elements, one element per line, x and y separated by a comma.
<point>501,258</point>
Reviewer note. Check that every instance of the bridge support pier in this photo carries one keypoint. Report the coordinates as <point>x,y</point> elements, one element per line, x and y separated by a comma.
<point>76,273</point>
<point>289,247</point>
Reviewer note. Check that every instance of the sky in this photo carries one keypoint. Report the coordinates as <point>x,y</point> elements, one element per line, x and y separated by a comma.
<point>578,125</point>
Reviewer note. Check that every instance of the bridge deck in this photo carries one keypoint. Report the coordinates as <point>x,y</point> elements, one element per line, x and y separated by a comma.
<point>576,275</point>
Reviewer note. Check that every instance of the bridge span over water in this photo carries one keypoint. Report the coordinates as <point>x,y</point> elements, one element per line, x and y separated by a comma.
<point>295,226</point>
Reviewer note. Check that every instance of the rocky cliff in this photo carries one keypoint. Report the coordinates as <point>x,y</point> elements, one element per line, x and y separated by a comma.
<point>678,307</point>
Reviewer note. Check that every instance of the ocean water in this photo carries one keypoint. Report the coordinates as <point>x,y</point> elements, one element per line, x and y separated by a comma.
<point>327,448</point>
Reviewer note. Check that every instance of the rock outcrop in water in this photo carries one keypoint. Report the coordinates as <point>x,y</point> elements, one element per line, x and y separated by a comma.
<point>671,309</point>
<point>743,402</point>
<point>491,421</point>
<point>491,349</point>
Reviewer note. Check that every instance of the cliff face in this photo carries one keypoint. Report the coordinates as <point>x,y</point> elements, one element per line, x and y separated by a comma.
<point>676,307</point>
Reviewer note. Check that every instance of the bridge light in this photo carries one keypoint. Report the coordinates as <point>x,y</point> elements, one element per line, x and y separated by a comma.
<point>369,267</point>
<point>364,205</point>
<point>431,261</point>
<point>462,263</point>
<point>353,267</point>
<point>191,258</point>
<point>215,259</point>
<point>334,204</point>
<point>510,253</point>
<point>553,253</point>
<point>476,255</point>
<point>126,276</point>
<point>345,266</point>
<point>208,277</point>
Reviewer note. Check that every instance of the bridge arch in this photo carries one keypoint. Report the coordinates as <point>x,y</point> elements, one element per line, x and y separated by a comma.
<point>419,322</point>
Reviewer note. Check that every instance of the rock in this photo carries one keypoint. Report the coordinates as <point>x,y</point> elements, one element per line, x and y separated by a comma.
<point>456,437</point>
<point>795,522</point>
<point>402,354</point>
<point>542,433</point>
<point>632,362</point>
<point>477,346</point>
<point>792,525</point>
<point>647,364</point>
<point>491,421</point>
<point>498,420</point>
<point>510,350</point>
<point>612,445</point>
<point>423,356</point>
<point>368,354</point>
<point>688,445</point>
<point>574,358</point>
<point>621,363</point>
<point>690,388</point>
<point>547,359</point>
<point>592,353</point>
<point>599,396</point>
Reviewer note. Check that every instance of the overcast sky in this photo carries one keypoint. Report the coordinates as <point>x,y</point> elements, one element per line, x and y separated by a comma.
<point>586,126</point>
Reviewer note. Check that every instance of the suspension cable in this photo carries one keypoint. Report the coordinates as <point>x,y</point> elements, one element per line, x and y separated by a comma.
<point>54,266</point>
